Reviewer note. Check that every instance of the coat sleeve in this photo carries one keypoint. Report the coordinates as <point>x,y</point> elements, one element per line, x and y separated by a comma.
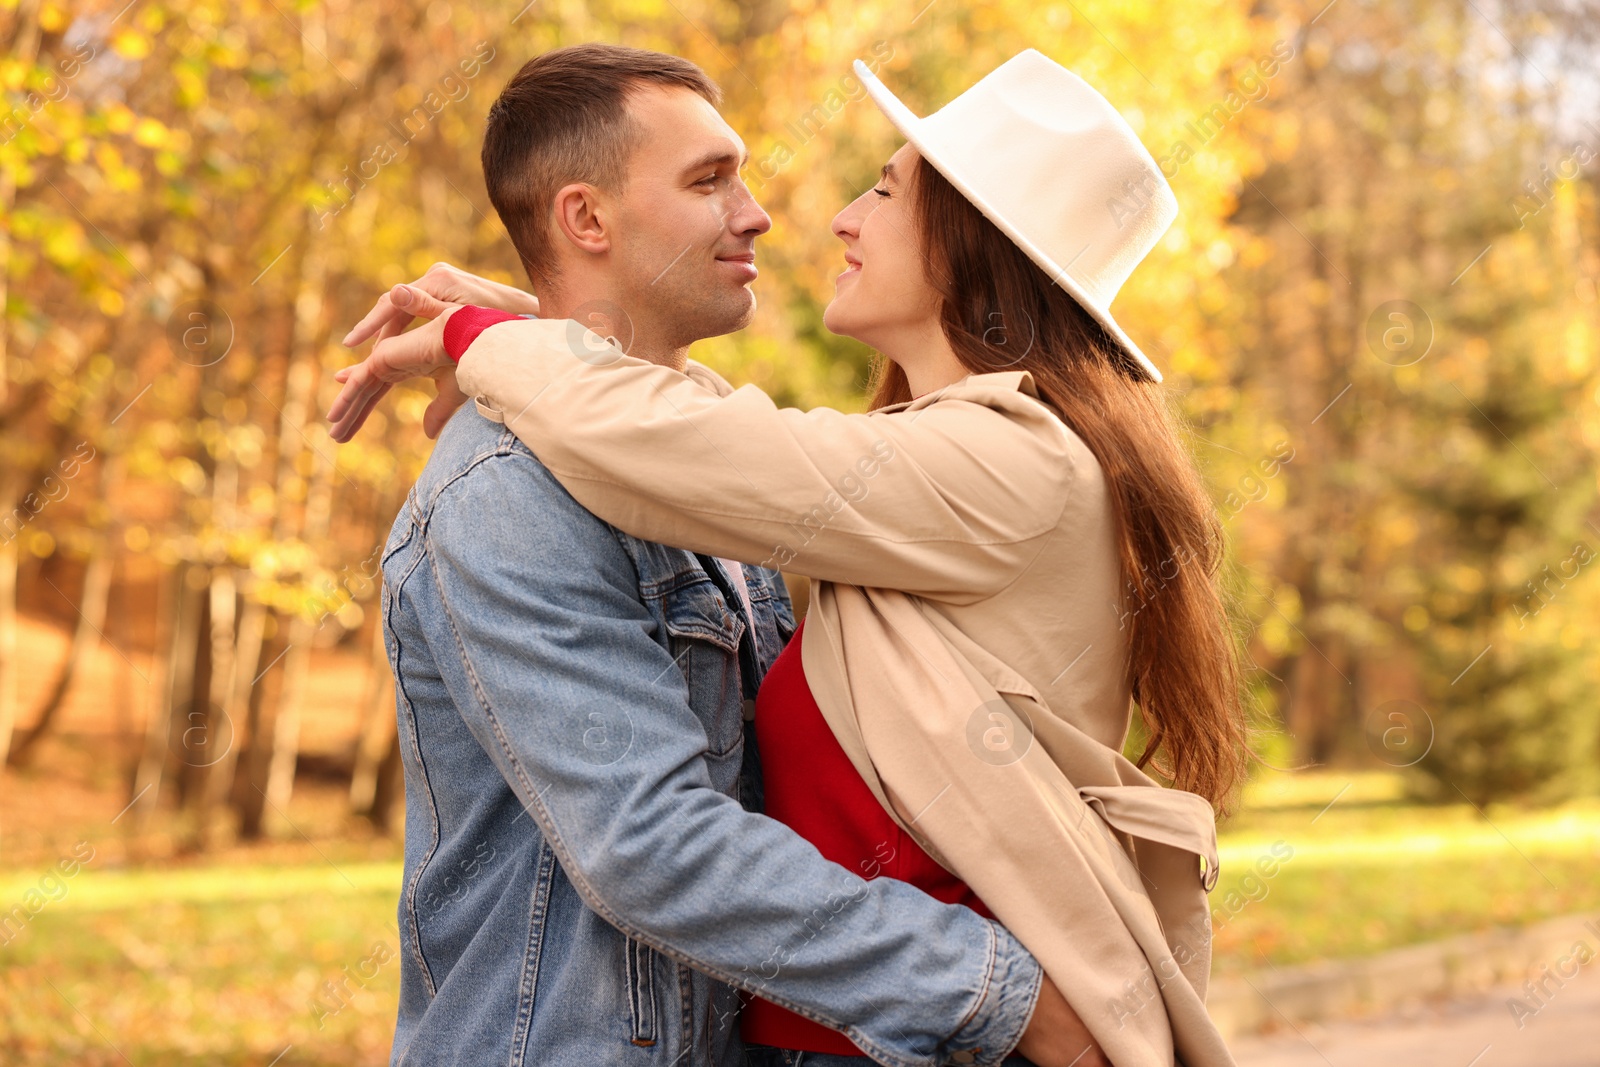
<point>951,499</point>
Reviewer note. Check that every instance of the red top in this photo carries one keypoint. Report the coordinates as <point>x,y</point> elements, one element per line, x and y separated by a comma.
<point>813,788</point>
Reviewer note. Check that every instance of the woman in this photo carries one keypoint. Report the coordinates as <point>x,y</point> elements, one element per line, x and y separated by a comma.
<point>1006,551</point>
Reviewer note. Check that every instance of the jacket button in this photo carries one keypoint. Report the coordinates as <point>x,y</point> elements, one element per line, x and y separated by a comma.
<point>970,1056</point>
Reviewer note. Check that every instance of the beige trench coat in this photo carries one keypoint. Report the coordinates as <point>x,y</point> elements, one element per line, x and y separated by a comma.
<point>966,637</point>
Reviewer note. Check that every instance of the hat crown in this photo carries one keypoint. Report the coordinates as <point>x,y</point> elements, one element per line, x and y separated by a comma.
<point>1052,155</point>
<point>1046,94</point>
<point>1050,161</point>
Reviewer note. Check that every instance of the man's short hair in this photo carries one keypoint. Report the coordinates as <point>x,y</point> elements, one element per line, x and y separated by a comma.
<point>564,118</point>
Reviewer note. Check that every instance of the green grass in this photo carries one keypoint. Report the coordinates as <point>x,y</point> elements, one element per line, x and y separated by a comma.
<point>1368,872</point>
<point>219,964</point>
<point>168,970</point>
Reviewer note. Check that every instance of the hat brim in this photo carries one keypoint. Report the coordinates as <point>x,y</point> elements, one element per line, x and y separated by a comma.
<point>910,125</point>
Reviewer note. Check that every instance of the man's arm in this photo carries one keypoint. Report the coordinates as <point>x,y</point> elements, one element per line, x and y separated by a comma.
<point>553,665</point>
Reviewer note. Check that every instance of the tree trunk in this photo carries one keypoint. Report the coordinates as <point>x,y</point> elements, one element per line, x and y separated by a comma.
<point>186,606</point>
<point>85,639</point>
<point>8,631</point>
<point>123,631</point>
<point>286,726</point>
<point>209,736</point>
<point>303,378</point>
<point>388,788</point>
<point>236,709</point>
<point>193,729</point>
<point>377,734</point>
<point>250,787</point>
<point>24,51</point>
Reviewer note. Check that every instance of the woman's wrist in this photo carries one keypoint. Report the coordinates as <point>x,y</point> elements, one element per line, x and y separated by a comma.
<point>466,323</point>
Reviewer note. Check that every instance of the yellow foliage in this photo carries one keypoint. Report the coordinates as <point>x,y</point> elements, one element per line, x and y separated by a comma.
<point>1579,345</point>
<point>64,243</point>
<point>130,44</point>
<point>107,157</point>
<point>53,18</point>
<point>149,133</point>
<point>119,117</point>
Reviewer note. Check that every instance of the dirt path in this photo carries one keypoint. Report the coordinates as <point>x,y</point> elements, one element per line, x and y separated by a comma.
<point>1474,1032</point>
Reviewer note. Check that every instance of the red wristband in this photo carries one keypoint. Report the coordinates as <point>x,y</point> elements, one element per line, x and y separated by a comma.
<point>466,323</point>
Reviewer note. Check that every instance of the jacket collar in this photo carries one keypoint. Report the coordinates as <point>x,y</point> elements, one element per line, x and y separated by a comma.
<point>1004,381</point>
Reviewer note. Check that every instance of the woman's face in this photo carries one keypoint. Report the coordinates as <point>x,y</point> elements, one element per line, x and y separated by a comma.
<point>883,297</point>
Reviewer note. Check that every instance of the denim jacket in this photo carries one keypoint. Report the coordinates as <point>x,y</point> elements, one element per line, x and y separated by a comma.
<point>587,879</point>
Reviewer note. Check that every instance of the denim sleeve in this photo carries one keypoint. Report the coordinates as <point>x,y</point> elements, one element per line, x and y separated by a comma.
<point>587,716</point>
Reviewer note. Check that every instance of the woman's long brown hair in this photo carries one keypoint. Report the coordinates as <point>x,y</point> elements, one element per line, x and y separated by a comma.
<point>1001,312</point>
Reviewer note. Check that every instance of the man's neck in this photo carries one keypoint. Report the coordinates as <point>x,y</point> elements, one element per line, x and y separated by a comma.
<point>634,336</point>
<point>672,358</point>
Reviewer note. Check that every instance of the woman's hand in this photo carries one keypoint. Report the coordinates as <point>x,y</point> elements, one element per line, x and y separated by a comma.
<point>396,357</point>
<point>440,290</point>
<point>446,284</point>
<point>1056,1036</point>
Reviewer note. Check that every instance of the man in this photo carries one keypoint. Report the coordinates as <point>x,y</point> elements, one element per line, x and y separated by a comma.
<point>552,667</point>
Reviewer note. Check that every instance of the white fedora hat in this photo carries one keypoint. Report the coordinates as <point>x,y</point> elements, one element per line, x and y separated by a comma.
<point>1049,161</point>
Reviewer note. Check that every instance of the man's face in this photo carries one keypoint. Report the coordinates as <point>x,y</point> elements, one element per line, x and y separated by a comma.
<point>685,224</point>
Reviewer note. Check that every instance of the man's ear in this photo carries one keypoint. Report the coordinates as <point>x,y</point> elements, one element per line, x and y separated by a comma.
<point>580,220</point>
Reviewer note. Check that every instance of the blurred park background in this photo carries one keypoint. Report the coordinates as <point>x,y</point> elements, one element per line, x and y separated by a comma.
<point>1377,313</point>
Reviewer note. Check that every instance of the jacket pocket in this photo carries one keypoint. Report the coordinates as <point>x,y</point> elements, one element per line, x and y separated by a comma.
<point>640,969</point>
<point>533,953</point>
<point>696,611</point>
<point>703,637</point>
